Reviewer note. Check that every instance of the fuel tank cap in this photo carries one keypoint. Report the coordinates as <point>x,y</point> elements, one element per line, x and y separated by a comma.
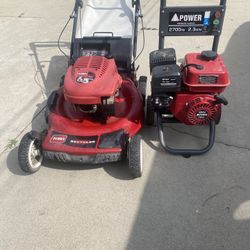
<point>208,55</point>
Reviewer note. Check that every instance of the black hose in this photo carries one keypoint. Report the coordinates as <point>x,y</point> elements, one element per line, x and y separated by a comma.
<point>59,38</point>
<point>143,35</point>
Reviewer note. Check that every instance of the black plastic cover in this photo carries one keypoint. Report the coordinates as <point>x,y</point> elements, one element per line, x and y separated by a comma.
<point>162,57</point>
<point>119,48</point>
<point>165,78</point>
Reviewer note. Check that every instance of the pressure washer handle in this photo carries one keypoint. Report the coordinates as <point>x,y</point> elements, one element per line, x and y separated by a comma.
<point>164,3</point>
<point>206,21</point>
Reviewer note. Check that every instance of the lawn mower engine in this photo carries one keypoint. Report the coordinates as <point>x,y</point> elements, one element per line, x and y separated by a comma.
<point>92,84</point>
<point>189,93</point>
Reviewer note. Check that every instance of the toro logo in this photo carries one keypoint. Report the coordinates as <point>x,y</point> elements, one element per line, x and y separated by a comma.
<point>58,139</point>
<point>85,77</point>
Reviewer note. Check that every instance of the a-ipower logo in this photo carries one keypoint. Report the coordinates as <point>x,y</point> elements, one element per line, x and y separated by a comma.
<point>58,139</point>
<point>187,18</point>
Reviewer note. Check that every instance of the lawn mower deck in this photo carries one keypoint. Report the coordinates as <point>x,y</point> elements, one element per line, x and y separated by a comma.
<point>92,138</point>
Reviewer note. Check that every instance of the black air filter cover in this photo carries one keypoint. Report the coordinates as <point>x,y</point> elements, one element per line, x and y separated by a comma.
<point>162,57</point>
<point>165,79</point>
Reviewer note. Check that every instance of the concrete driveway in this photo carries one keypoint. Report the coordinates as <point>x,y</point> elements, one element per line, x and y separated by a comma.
<point>197,203</point>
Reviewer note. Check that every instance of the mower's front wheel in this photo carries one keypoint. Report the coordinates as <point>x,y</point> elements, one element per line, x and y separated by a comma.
<point>135,156</point>
<point>29,152</point>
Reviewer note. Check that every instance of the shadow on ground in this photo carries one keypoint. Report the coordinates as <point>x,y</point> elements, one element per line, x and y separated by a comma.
<point>194,203</point>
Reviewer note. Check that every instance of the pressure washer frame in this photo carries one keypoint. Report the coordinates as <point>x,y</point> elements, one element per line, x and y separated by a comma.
<point>213,28</point>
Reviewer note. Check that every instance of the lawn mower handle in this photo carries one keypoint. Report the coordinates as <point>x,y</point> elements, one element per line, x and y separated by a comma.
<point>79,4</point>
<point>137,5</point>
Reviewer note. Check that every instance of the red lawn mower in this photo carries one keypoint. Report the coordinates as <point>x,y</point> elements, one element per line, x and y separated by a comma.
<point>189,93</point>
<point>95,115</point>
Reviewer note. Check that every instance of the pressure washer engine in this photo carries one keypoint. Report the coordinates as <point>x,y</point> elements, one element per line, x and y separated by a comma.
<point>190,92</point>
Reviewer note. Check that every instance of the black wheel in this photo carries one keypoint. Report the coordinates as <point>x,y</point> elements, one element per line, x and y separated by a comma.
<point>142,86</point>
<point>29,153</point>
<point>135,156</point>
<point>150,115</point>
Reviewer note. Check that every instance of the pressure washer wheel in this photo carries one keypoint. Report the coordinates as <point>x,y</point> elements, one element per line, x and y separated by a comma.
<point>29,153</point>
<point>135,156</point>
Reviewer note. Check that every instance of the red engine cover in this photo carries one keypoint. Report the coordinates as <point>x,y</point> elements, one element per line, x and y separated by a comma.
<point>213,78</point>
<point>90,78</point>
<point>193,109</point>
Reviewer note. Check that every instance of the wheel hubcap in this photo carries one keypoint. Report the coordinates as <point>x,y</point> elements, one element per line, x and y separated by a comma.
<point>35,157</point>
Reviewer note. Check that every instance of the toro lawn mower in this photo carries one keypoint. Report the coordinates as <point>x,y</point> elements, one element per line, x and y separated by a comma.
<point>189,93</point>
<point>96,113</point>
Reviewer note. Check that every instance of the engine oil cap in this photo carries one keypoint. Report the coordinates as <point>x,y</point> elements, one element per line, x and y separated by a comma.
<point>209,55</point>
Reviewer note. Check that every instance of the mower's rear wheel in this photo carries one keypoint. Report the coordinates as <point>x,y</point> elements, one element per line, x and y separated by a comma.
<point>29,153</point>
<point>135,156</point>
<point>150,115</point>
